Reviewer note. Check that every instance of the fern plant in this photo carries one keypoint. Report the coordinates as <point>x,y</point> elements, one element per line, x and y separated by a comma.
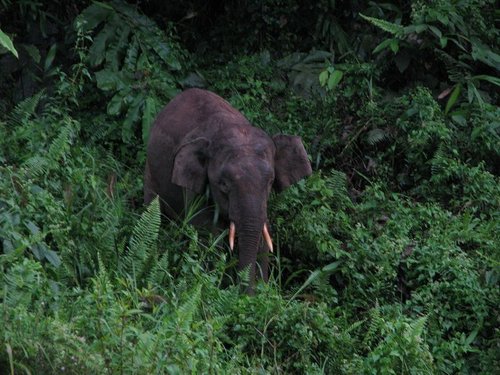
<point>141,254</point>
<point>17,125</point>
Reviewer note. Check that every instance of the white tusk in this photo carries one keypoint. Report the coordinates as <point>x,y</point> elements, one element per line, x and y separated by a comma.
<point>267,238</point>
<point>232,233</point>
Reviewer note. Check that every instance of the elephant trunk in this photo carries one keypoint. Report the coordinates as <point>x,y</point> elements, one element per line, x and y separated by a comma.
<point>250,227</point>
<point>249,237</point>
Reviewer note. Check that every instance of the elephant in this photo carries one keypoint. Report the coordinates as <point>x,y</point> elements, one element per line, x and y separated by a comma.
<point>199,139</point>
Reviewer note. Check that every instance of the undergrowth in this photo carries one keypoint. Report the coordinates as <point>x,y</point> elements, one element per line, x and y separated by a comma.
<point>387,257</point>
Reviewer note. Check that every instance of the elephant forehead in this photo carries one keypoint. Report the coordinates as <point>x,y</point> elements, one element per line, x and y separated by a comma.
<point>243,133</point>
<point>244,166</point>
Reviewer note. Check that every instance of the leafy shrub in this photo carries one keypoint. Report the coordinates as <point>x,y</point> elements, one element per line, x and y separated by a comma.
<point>282,336</point>
<point>438,32</point>
<point>394,344</point>
<point>138,67</point>
<point>32,331</point>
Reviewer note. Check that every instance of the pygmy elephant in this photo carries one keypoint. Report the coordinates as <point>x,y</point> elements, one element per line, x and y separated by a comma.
<point>200,139</point>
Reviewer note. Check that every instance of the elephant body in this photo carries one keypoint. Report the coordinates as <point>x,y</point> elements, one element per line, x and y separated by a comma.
<point>200,139</point>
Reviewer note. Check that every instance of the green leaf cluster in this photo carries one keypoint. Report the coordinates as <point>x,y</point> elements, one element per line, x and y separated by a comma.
<point>135,62</point>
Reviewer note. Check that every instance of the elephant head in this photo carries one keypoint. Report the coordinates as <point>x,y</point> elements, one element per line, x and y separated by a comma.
<point>241,165</point>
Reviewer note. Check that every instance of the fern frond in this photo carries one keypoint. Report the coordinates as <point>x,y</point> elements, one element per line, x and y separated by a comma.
<point>439,162</point>
<point>375,136</point>
<point>109,226</point>
<point>337,183</point>
<point>159,271</point>
<point>37,166</point>
<point>60,145</point>
<point>456,70</point>
<point>145,232</point>
<point>24,110</point>
<point>415,329</point>
<point>141,252</point>
<point>186,312</point>
<point>101,132</point>
<point>103,277</point>
<point>226,300</point>
<point>375,324</point>
<point>389,27</point>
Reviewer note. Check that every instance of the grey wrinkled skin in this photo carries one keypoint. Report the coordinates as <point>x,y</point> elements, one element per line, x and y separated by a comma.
<point>200,139</point>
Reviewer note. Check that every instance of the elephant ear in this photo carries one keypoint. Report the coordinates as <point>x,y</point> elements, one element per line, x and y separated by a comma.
<point>190,165</point>
<point>291,162</point>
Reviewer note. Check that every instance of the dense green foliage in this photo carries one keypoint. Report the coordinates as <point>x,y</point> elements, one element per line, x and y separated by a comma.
<point>388,256</point>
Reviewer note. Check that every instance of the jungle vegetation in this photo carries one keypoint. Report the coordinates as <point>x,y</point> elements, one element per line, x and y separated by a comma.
<point>387,258</point>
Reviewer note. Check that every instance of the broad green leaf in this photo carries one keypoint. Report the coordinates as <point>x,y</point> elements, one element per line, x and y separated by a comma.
<point>318,56</point>
<point>436,31</point>
<point>394,45</point>
<point>420,28</point>
<point>490,79</point>
<point>104,5</point>
<point>37,251</point>
<point>470,92</point>
<point>131,56</point>
<point>472,336</point>
<point>334,79</point>
<point>148,116</point>
<point>162,50</point>
<point>443,41</point>
<point>6,42</point>
<point>132,117</point>
<point>410,29</point>
<point>97,51</point>
<point>51,256</point>
<point>107,80</point>
<point>443,19</point>
<point>323,77</point>
<point>173,63</point>
<point>453,98</point>
<point>50,57</point>
<point>484,54</point>
<point>478,96</point>
<point>33,52</point>
<point>115,104</point>
<point>459,118</point>
<point>382,45</point>
<point>402,61</point>
<point>94,15</point>
<point>8,247</point>
<point>33,228</point>
<point>114,53</point>
<point>143,62</point>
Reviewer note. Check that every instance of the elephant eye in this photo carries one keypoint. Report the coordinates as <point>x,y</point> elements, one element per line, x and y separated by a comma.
<point>224,187</point>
